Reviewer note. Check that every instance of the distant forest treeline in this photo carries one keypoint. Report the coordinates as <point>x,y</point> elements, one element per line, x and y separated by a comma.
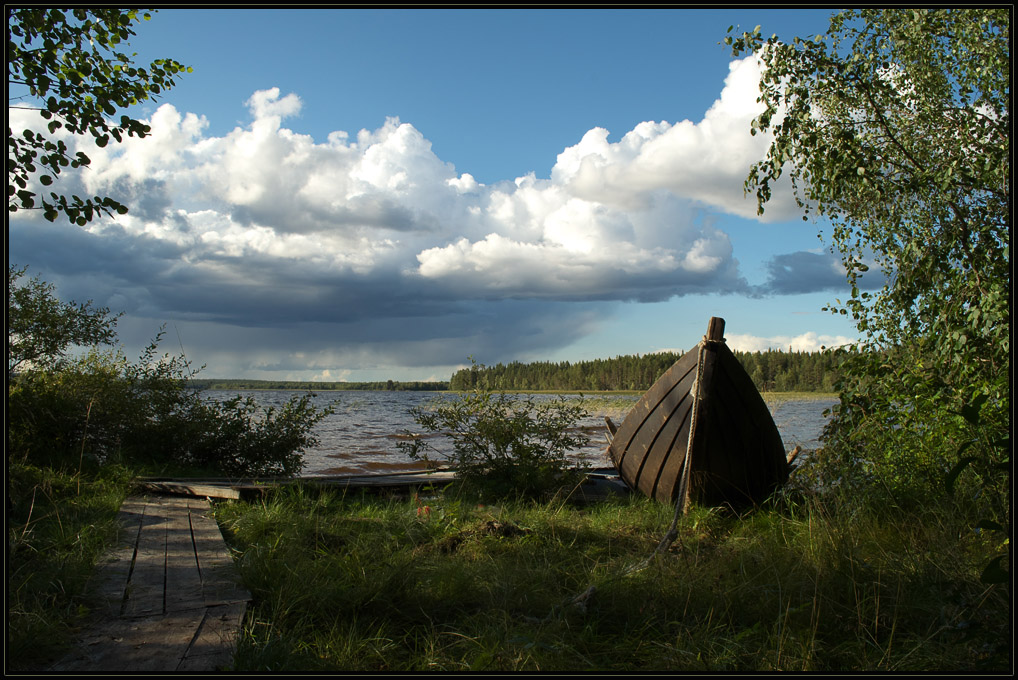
<point>771,371</point>
<point>387,385</point>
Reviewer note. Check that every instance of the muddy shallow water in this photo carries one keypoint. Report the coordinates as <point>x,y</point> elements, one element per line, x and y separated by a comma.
<point>360,437</point>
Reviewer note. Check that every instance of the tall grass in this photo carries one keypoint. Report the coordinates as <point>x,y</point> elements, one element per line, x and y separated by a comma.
<point>59,523</point>
<point>444,583</point>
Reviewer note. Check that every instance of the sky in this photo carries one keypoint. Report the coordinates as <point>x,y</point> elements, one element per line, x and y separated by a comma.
<point>387,194</point>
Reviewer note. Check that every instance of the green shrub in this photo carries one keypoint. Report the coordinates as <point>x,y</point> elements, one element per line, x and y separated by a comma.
<point>100,408</point>
<point>502,444</point>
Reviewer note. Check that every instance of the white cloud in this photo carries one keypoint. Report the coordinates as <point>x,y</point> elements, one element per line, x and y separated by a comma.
<point>328,376</point>
<point>614,220</point>
<point>805,342</point>
<point>264,226</point>
<point>706,162</point>
<point>266,104</point>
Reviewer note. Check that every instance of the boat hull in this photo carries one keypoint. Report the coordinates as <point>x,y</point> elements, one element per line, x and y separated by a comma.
<point>735,455</point>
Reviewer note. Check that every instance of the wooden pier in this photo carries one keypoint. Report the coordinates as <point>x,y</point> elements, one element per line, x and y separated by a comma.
<point>253,488</point>
<point>170,596</point>
<point>598,484</point>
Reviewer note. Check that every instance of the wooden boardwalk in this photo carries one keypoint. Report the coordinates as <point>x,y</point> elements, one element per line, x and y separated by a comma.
<point>170,595</point>
<point>598,485</point>
<point>249,489</point>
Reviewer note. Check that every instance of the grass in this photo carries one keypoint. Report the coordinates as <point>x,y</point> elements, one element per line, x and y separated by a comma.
<point>443,582</point>
<point>58,525</point>
<point>360,583</point>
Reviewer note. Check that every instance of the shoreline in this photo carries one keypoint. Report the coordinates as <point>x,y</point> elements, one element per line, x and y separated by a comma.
<point>768,396</point>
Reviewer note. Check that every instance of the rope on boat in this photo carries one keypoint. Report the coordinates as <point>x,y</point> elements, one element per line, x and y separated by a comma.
<point>681,503</point>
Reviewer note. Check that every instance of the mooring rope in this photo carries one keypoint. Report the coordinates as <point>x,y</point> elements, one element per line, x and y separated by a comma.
<point>681,503</point>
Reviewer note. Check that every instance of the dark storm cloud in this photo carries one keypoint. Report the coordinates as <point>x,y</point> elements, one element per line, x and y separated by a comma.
<point>313,308</point>
<point>372,212</point>
<point>68,252</point>
<point>807,272</point>
<point>140,274</point>
<point>149,199</point>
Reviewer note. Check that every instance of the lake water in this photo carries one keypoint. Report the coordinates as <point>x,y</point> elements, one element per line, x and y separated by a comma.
<point>361,436</point>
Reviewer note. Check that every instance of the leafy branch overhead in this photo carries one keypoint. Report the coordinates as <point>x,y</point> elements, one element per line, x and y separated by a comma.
<point>896,126</point>
<point>68,66</point>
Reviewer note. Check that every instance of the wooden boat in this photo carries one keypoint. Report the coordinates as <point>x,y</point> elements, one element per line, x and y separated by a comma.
<point>701,433</point>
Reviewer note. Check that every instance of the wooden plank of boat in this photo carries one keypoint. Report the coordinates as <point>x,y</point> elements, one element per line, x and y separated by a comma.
<point>703,432</point>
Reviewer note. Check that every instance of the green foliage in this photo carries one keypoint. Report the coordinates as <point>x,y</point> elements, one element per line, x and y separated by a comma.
<point>502,444</point>
<point>103,409</point>
<point>100,408</point>
<point>772,370</point>
<point>895,126</point>
<point>41,328</point>
<point>58,526</point>
<point>238,438</point>
<point>69,63</point>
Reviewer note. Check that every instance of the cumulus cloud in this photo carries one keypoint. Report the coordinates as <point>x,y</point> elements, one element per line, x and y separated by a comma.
<point>805,342</point>
<point>373,238</point>
<point>705,161</point>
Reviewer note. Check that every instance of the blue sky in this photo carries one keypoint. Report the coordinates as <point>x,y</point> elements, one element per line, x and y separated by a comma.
<point>372,194</point>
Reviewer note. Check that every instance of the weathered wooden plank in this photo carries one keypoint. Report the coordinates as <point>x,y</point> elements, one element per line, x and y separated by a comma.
<point>141,645</point>
<point>772,459</point>
<point>168,547</point>
<point>763,451</point>
<point>632,447</point>
<point>672,442</point>
<point>745,460</point>
<point>215,643</point>
<point>720,473</point>
<point>183,580</point>
<point>204,490</point>
<point>700,432</point>
<point>227,489</point>
<point>220,581</point>
<point>394,481</point>
<point>113,570</point>
<point>652,451</point>
<point>638,416</point>
<point>146,588</point>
